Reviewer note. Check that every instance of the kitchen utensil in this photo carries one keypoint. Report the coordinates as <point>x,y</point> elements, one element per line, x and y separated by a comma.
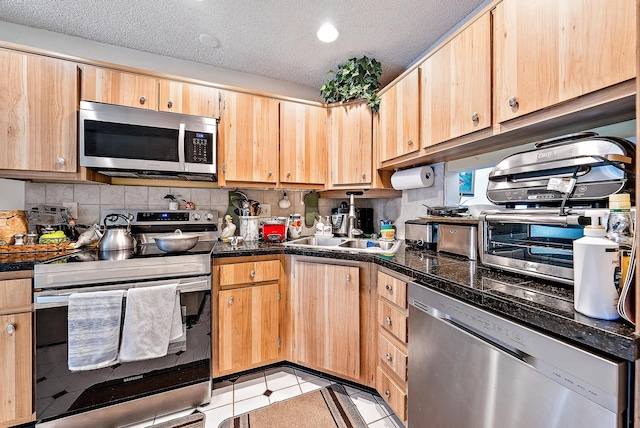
<point>249,228</point>
<point>177,242</point>
<point>116,238</point>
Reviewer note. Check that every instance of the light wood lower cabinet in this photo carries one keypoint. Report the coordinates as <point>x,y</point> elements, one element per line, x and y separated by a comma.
<point>248,327</point>
<point>392,353</point>
<point>16,353</point>
<point>327,318</point>
<point>246,314</point>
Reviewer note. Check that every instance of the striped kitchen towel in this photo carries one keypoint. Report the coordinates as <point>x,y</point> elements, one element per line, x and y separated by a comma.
<point>94,329</point>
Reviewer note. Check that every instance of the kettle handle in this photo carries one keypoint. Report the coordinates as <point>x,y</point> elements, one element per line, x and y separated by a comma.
<point>113,217</point>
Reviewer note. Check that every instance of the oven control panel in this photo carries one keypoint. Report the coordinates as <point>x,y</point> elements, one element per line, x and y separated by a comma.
<point>164,217</point>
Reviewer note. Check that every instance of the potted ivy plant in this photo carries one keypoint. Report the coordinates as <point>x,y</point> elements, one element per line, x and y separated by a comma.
<point>358,78</point>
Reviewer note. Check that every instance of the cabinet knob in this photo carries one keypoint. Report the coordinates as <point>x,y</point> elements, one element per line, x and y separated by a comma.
<point>252,274</point>
<point>10,328</point>
<point>388,357</point>
<point>387,320</point>
<point>475,117</point>
<point>288,174</point>
<point>410,143</point>
<point>230,300</point>
<point>389,288</point>
<point>169,104</point>
<point>347,278</point>
<point>61,161</point>
<point>269,174</point>
<point>513,102</point>
<point>387,393</point>
<point>143,99</point>
<point>363,175</point>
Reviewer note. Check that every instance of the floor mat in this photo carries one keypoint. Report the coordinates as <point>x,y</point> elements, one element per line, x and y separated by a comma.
<point>329,407</point>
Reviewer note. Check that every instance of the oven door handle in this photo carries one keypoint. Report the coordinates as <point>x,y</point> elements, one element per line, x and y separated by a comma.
<point>57,298</point>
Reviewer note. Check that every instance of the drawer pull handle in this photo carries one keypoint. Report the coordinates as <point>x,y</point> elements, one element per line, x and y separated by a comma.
<point>389,288</point>
<point>230,300</point>
<point>388,357</point>
<point>252,274</point>
<point>387,393</point>
<point>387,320</point>
<point>10,328</point>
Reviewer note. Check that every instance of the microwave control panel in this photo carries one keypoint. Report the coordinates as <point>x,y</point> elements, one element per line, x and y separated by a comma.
<point>199,147</point>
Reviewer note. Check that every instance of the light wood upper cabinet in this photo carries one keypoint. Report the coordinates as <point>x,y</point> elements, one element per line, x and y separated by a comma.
<point>549,51</point>
<point>456,85</point>
<point>38,104</point>
<point>248,325</point>
<point>399,118</point>
<point>327,318</point>
<point>351,150</point>
<point>16,353</point>
<point>186,98</point>
<point>303,144</point>
<point>249,137</point>
<point>117,87</point>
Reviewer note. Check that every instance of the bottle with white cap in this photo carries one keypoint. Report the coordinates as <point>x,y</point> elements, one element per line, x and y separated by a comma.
<point>596,266</point>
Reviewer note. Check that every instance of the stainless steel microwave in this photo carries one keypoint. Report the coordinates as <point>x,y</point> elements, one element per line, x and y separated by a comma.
<point>130,142</point>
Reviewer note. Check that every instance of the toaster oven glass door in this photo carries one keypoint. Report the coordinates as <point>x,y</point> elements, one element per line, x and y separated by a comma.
<point>545,244</point>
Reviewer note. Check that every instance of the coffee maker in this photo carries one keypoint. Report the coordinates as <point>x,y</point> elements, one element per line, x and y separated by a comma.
<point>340,220</point>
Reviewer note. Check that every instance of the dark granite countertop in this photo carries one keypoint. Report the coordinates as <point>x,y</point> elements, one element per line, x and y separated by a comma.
<point>544,306</point>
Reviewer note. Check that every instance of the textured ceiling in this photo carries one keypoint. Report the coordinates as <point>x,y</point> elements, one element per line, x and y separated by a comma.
<point>272,38</point>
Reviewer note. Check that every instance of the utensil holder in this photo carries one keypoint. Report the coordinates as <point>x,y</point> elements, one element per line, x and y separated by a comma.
<point>250,227</point>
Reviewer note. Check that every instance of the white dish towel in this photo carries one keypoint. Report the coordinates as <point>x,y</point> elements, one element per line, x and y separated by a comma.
<point>150,322</point>
<point>94,329</point>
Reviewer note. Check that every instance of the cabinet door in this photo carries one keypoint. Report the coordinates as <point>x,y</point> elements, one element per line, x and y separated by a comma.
<point>248,327</point>
<point>116,87</point>
<point>38,104</point>
<point>249,132</point>
<point>303,144</point>
<point>15,369</point>
<point>399,118</point>
<point>186,98</point>
<point>327,318</point>
<point>351,144</point>
<point>456,85</point>
<point>549,51</point>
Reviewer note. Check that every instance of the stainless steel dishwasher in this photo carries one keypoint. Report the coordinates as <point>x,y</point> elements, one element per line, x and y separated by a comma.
<point>471,368</point>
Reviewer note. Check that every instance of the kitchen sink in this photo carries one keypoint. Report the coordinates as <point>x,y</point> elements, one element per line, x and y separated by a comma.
<point>346,244</point>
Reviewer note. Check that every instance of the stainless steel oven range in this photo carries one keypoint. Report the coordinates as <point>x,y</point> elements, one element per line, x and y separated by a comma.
<point>125,392</point>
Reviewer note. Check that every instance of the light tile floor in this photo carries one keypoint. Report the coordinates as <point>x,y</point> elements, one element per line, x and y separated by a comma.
<point>248,393</point>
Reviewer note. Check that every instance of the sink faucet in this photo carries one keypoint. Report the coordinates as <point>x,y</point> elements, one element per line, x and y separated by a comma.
<point>352,230</point>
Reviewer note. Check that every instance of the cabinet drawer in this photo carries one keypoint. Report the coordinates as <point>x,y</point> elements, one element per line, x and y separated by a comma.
<point>394,395</point>
<point>392,320</point>
<point>246,273</point>
<point>392,289</point>
<point>15,294</point>
<point>392,357</point>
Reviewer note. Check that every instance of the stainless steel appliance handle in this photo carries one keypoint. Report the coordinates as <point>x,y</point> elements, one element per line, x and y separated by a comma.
<point>58,298</point>
<point>567,220</point>
<point>181,136</point>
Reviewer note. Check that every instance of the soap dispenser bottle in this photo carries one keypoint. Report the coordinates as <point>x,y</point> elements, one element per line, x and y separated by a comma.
<point>595,267</point>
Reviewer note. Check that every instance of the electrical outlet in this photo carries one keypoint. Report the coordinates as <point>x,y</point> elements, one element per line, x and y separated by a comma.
<point>266,210</point>
<point>72,208</point>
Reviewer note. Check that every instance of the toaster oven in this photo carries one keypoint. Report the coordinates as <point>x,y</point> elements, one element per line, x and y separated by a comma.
<point>535,242</point>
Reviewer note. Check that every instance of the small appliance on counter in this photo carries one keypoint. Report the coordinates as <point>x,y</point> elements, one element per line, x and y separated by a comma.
<point>555,183</point>
<point>274,230</point>
<point>340,220</point>
<point>421,234</point>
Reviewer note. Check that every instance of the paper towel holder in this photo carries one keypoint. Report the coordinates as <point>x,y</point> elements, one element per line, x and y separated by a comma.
<point>413,178</point>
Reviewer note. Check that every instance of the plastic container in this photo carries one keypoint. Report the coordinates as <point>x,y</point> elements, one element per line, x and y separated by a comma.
<point>596,265</point>
<point>250,227</point>
<point>387,232</point>
<point>620,225</point>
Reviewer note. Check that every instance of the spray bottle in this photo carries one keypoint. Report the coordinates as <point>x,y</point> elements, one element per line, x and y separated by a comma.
<point>595,267</point>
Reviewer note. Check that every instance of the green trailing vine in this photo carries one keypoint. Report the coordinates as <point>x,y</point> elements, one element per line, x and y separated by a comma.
<point>358,78</point>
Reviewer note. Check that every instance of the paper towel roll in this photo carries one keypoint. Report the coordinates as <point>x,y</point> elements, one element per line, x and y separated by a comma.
<point>413,178</point>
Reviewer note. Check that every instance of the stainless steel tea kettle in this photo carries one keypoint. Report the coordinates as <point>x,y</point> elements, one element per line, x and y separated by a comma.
<point>116,239</point>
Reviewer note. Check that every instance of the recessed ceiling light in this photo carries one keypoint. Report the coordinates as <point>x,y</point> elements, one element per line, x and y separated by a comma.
<point>327,33</point>
<point>209,40</point>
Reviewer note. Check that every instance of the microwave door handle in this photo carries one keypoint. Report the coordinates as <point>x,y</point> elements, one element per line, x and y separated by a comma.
<point>181,136</point>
